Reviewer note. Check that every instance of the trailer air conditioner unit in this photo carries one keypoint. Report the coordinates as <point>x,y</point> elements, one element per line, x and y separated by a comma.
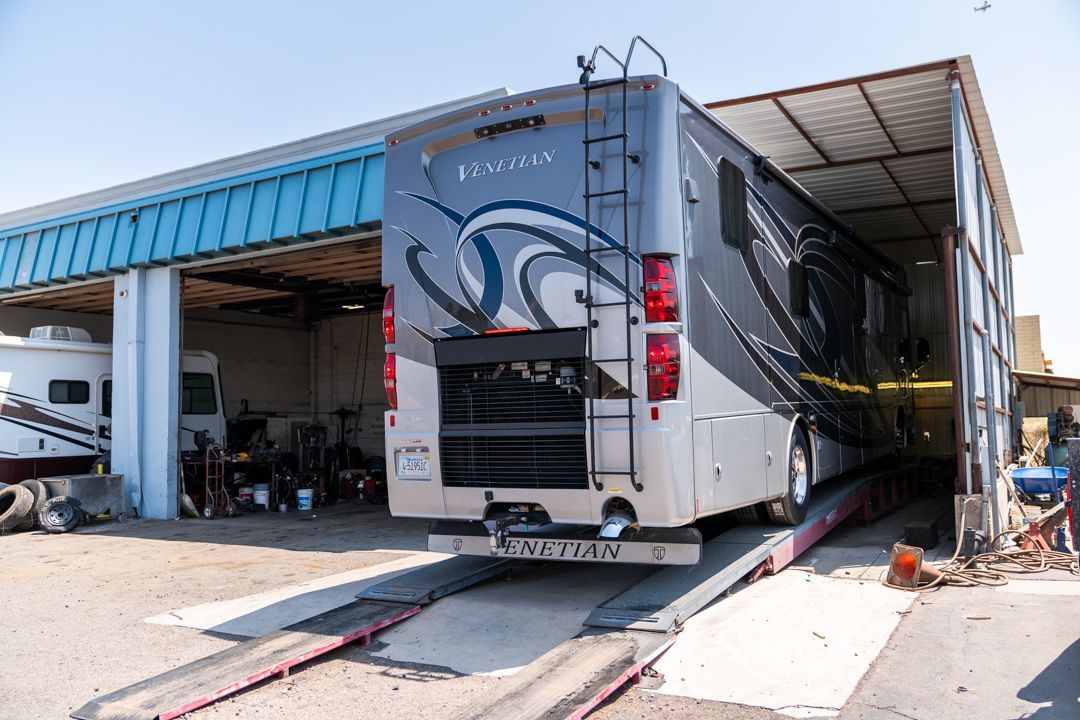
<point>60,332</point>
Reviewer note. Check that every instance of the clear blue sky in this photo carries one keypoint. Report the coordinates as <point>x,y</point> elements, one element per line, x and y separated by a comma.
<point>98,93</point>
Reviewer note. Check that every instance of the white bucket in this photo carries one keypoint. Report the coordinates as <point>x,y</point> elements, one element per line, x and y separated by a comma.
<point>261,494</point>
<point>303,498</point>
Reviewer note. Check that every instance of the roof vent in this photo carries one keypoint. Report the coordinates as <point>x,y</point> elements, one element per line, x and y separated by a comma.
<point>60,332</point>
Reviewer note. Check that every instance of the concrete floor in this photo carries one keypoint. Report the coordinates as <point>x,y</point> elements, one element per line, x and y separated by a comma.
<point>111,604</point>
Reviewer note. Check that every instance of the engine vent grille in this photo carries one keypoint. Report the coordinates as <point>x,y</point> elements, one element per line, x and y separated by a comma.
<point>502,393</point>
<point>516,423</point>
<point>514,461</point>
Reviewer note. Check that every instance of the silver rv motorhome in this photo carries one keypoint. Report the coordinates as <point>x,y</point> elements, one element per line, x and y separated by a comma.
<point>56,402</point>
<point>609,316</point>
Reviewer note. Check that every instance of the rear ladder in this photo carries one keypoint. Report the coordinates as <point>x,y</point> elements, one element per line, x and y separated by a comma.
<point>588,67</point>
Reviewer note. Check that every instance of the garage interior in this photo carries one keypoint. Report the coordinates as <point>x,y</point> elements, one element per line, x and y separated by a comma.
<point>298,337</point>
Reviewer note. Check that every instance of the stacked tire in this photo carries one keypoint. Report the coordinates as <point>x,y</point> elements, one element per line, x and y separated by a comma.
<point>28,505</point>
<point>16,509</point>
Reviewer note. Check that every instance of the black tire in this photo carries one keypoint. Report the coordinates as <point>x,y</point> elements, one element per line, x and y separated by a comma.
<point>41,496</point>
<point>16,504</point>
<point>755,514</point>
<point>61,514</point>
<point>790,508</point>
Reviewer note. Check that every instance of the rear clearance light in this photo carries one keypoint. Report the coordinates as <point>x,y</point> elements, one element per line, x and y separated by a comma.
<point>390,379</point>
<point>661,290</point>
<point>662,358</point>
<point>501,331</point>
<point>388,316</point>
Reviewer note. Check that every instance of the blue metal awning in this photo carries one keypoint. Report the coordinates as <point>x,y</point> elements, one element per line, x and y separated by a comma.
<point>302,201</point>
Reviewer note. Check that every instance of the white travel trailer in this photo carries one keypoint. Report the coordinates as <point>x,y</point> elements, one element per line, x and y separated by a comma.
<point>56,402</point>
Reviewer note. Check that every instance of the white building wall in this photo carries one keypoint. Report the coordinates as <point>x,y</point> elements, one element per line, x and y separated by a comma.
<point>350,352</point>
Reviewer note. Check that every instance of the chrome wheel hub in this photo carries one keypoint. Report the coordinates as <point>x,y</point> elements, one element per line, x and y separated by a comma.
<point>800,479</point>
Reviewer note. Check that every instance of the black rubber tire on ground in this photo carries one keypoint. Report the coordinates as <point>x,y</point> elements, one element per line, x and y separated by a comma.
<point>755,514</point>
<point>790,508</point>
<point>16,504</point>
<point>61,514</point>
<point>41,495</point>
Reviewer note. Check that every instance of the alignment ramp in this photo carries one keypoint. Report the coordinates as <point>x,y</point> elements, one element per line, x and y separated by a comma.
<point>203,681</point>
<point>199,683</point>
<point>663,601</point>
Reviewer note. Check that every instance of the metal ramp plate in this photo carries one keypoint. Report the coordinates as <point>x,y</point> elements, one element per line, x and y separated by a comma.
<point>183,689</point>
<point>664,600</point>
<point>431,582</point>
<point>572,678</point>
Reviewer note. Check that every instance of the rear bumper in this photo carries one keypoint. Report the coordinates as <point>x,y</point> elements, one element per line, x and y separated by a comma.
<point>652,546</point>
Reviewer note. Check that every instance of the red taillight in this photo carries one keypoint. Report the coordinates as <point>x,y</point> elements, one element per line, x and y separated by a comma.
<point>662,357</point>
<point>389,375</point>
<point>388,316</point>
<point>661,290</point>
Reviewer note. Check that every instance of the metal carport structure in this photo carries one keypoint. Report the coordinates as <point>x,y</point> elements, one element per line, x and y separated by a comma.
<point>908,158</point>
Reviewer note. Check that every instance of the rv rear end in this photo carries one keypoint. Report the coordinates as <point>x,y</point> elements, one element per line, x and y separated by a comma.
<point>490,365</point>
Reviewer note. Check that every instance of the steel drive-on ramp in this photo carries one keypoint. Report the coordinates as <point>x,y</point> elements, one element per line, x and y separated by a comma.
<point>628,632</point>
<point>199,683</point>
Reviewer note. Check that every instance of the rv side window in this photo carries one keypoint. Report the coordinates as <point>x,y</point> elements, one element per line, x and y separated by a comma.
<point>800,293</point>
<point>106,399</point>
<point>69,392</point>
<point>198,395</point>
<point>733,226</point>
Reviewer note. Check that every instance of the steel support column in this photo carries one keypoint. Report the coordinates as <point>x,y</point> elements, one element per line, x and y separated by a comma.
<point>967,346</point>
<point>146,388</point>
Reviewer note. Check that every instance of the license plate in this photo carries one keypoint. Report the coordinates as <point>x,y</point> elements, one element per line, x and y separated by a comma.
<point>413,465</point>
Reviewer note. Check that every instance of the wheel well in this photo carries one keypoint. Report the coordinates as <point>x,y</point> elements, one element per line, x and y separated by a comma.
<point>618,504</point>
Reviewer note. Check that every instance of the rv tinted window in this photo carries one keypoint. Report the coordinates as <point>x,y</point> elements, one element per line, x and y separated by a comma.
<point>800,293</point>
<point>733,226</point>
<point>106,398</point>
<point>198,395</point>
<point>69,392</point>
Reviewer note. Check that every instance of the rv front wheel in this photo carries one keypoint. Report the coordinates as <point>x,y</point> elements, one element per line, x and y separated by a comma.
<point>790,508</point>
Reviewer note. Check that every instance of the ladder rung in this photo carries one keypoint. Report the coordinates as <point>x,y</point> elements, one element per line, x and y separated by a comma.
<point>607,248</point>
<point>605,138</point>
<point>599,360</point>
<point>606,83</point>
<point>631,473</point>
<point>611,417</point>
<point>609,304</point>
<point>588,196</point>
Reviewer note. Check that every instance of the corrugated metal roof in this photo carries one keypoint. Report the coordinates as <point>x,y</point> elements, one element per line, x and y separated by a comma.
<point>878,150</point>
